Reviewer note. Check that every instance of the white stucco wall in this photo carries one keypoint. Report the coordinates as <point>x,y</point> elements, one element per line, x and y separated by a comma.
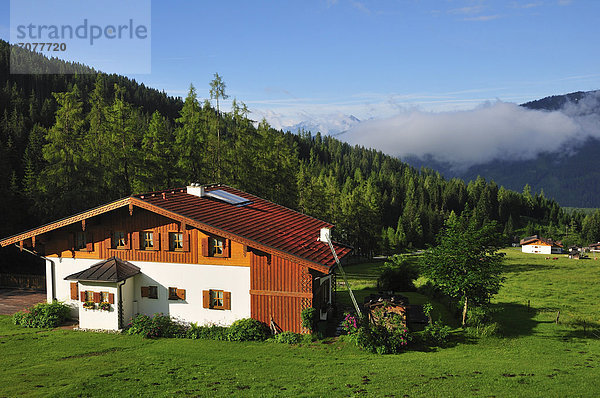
<point>98,319</point>
<point>537,249</point>
<point>127,291</point>
<point>194,278</point>
<point>64,267</point>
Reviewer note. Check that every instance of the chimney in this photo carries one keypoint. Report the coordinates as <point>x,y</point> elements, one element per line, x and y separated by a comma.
<point>325,235</point>
<point>195,189</point>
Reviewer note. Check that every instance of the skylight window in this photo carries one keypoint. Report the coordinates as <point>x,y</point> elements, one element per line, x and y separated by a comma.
<point>227,197</point>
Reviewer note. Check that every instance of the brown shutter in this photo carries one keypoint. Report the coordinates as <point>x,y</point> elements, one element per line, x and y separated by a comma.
<point>206,299</point>
<point>226,300</point>
<point>186,241</point>
<point>89,242</point>
<point>181,294</point>
<point>74,291</point>
<point>156,236</point>
<point>145,291</point>
<point>82,296</point>
<point>205,248</point>
<point>135,238</point>
<point>97,297</point>
<point>165,241</point>
<point>128,241</point>
<point>111,298</point>
<point>108,240</point>
<point>226,248</point>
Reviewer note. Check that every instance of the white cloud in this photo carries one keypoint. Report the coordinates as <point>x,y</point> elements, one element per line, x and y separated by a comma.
<point>498,130</point>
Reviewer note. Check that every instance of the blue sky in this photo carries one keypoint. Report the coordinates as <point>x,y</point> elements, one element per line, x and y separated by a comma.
<point>372,59</point>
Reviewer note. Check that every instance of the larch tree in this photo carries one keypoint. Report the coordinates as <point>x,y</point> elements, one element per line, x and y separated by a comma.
<point>217,91</point>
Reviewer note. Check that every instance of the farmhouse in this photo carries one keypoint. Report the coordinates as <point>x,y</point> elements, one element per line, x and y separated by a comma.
<point>537,244</point>
<point>205,254</point>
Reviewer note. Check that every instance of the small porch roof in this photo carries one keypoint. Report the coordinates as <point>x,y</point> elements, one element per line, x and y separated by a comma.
<point>112,270</point>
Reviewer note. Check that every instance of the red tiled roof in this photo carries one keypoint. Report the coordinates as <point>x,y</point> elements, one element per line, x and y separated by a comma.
<point>261,221</point>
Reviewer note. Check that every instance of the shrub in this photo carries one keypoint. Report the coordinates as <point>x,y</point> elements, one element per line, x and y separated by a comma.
<point>42,315</point>
<point>478,316</point>
<point>157,326</point>
<point>288,338</point>
<point>210,332</point>
<point>398,275</point>
<point>309,318</point>
<point>248,329</point>
<point>436,334</point>
<point>381,340</point>
<point>487,330</point>
<point>350,324</point>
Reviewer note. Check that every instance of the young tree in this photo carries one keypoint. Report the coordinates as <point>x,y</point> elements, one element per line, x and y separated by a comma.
<point>217,90</point>
<point>466,264</point>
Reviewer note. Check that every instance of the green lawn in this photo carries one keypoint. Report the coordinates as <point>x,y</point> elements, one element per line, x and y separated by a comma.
<point>537,358</point>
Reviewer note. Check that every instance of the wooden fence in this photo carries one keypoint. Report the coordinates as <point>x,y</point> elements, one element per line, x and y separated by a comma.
<point>36,282</point>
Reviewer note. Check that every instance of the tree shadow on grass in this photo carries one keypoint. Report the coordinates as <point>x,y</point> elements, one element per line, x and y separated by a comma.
<point>518,268</point>
<point>515,319</point>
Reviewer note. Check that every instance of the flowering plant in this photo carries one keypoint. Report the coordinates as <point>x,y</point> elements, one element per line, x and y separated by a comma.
<point>104,306</point>
<point>90,305</point>
<point>350,324</point>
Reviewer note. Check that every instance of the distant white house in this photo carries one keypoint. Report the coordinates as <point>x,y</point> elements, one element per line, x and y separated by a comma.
<point>538,245</point>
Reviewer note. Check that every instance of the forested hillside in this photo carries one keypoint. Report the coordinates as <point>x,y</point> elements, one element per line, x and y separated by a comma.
<point>71,142</point>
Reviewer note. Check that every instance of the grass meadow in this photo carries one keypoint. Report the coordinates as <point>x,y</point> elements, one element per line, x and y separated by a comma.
<point>533,357</point>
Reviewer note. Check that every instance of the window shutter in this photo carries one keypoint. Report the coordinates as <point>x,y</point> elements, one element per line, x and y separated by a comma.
<point>226,248</point>
<point>205,248</point>
<point>165,241</point>
<point>82,296</point>
<point>145,291</point>
<point>156,241</point>
<point>206,299</point>
<point>97,297</point>
<point>135,238</point>
<point>181,294</point>
<point>74,291</point>
<point>186,241</point>
<point>111,298</point>
<point>226,300</point>
<point>89,242</point>
<point>108,244</point>
<point>128,241</point>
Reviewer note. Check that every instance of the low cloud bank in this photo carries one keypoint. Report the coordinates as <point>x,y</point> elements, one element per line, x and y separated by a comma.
<point>493,131</point>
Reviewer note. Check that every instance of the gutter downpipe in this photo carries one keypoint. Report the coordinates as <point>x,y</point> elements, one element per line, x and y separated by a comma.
<point>121,304</point>
<point>51,294</point>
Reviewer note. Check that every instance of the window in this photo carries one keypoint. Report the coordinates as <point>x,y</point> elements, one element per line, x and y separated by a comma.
<point>80,241</point>
<point>89,295</point>
<point>176,294</point>
<point>147,240</point>
<point>149,292</point>
<point>216,299</point>
<point>217,246</point>
<point>104,297</point>
<point>119,240</point>
<point>175,241</point>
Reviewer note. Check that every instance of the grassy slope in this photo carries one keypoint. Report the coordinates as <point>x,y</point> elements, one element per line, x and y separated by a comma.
<point>538,358</point>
